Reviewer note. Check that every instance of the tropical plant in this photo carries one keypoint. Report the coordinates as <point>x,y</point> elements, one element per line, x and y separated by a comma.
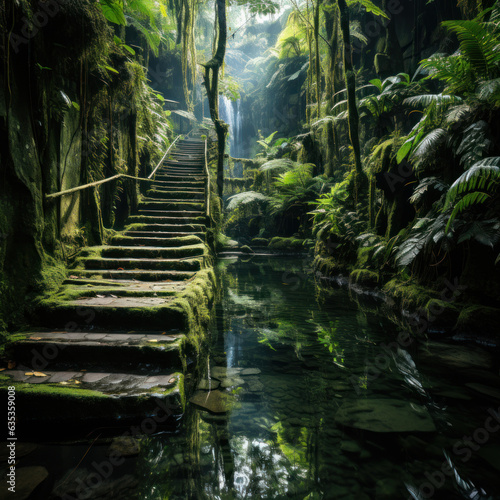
<point>474,187</point>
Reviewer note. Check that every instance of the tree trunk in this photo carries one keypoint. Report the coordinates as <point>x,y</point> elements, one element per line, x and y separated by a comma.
<point>211,82</point>
<point>316,57</point>
<point>350,83</point>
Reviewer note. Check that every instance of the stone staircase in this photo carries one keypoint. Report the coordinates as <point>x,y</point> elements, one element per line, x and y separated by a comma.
<point>114,341</point>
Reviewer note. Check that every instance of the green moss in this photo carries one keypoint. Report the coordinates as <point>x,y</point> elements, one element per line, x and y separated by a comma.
<point>364,277</point>
<point>470,317</point>
<point>263,242</point>
<point>410,295</point>
<point>287,244</point>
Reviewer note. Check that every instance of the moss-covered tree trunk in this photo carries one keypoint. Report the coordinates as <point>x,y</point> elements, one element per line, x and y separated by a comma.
<point>350,83</point>
<point>211,82</point>
<point>317,68</point>
<point>332,84</point>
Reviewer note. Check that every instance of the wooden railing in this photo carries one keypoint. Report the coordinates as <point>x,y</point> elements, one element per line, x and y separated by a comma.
<point>207,183</point>
<point>114,177</point>
<point>162,159</point>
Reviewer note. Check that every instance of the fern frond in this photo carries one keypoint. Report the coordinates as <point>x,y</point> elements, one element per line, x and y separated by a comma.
<point>246,198</point>
<point>275,165</point>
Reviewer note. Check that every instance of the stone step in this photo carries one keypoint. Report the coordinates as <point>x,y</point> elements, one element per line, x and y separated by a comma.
<point>179,188</point>
<point>152,252</point>
<point>136,274</point>
<point>200,184</point>
<point>162,235</point>
<point>147,264</point>
<point>46,350</point>
<point>110,312</point>
<point>166,207</point>
<point>161,194</point>
<point>66,403</point>
<point>162,219</point>
<point>155,241</point>
<point>182,206</point>
<point>171,214</point>
<point>179,178</point>
<point>170,228</point>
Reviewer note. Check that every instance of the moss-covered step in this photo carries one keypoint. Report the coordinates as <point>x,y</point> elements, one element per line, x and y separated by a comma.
<point>122,286</point>
<point>165,207</point>
<point>161,219</point>
<point>179,178</point>
<point>108,312</point>
<point>108,251</point>
<point>154,241</point>
<point>173,216</point>
<point>168,194</point>
<point>141,263</point>
<point>180,187</point>
<point>160,235</point>
<point>53,350</point>
<point>183,206</point>
<point>169,228</point>
<point>136,289</point>
<point>186,183</point>
<point>87,399</point>
<point>135,274</point>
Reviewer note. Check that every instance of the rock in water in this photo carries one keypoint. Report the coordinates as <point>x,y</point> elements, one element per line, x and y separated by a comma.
<point>385,415</point>
<point>27,479</point>
<point>213,401</point>
<point>124,446</point>
<point>454,356</point>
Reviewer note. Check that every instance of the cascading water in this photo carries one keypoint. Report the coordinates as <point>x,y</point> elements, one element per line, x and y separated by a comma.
<point>231,113</point>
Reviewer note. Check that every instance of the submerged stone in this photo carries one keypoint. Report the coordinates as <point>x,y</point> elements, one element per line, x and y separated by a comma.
<point>454,356</point>
<point>124,446</point>
<point>250,371</point>
<point>213,401</point>
<point>385,415</point>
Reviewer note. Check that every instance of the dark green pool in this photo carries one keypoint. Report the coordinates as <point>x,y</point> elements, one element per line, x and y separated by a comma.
<point>315,392</point>
<point>321,402</point>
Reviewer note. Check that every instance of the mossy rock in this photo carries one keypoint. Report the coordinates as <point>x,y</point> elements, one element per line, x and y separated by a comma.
<point>364,277</point>
<point>287,244</point>
<point>261,242</point>
<point>478,317</point>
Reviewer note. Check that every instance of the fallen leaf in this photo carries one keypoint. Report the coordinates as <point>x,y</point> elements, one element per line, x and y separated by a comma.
<point>164,333</point>
<point>120,269</point>
<point>64,383</point>
<point>73,277</point>
<point>114,296</point>
<point>83,370</point>
<point>100,296</point>
<point>77,382</point>
<point>39,374</point>
<point>35,338</point>
<point>2,369</point>
<point>172,380</point>
<point>11,365</point>
<point>153,340</point>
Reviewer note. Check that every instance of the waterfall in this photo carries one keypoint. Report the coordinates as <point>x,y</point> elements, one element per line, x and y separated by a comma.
<point>231,113</point>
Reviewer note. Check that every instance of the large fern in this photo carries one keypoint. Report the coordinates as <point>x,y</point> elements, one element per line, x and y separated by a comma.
<point>473,187</point>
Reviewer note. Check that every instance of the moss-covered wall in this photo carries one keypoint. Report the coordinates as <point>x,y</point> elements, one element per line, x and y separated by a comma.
<point>73,103</point>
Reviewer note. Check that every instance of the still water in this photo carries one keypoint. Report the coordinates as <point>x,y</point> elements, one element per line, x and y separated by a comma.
<point>305,395</point>
<point>309,413</point>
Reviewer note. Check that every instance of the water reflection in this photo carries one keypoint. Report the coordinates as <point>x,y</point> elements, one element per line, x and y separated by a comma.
<point>306,404</point>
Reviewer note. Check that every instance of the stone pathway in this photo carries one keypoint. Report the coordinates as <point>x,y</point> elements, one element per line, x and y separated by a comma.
<point>111,343</point>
